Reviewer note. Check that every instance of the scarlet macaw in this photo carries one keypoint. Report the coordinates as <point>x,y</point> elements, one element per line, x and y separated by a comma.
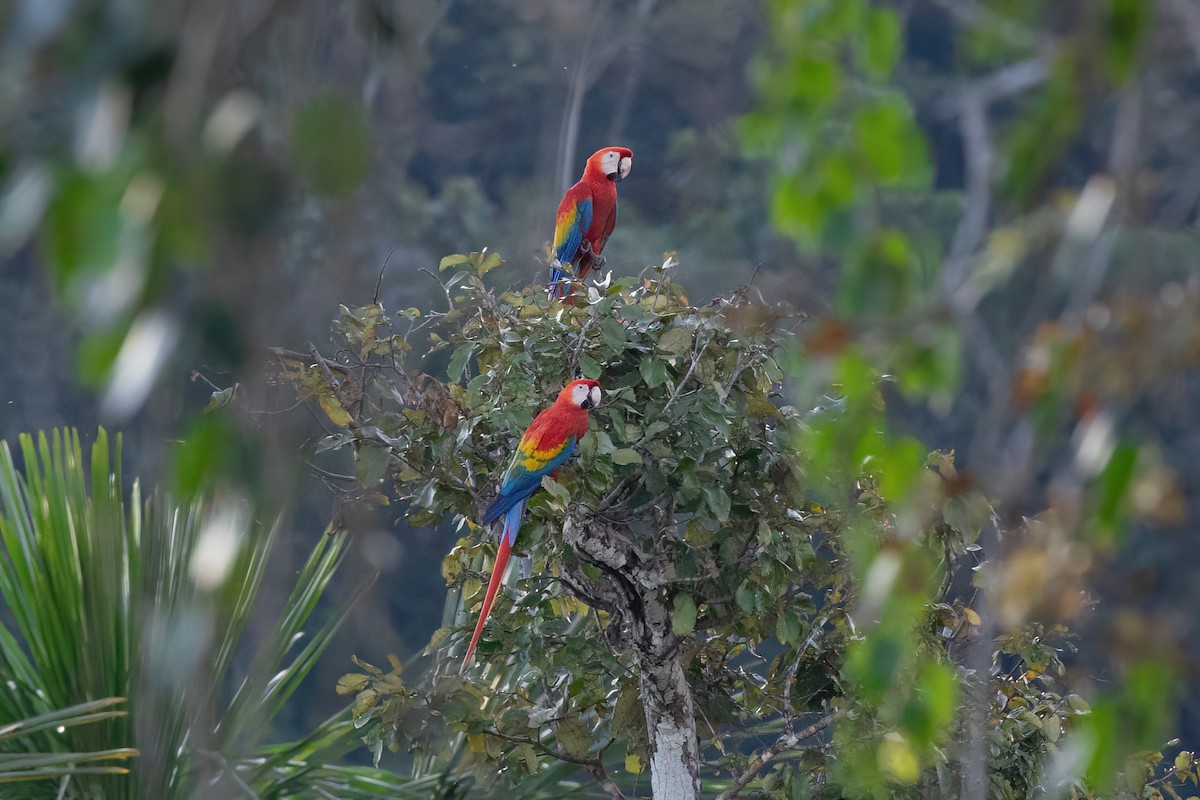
<point>547,444</point>
<point>586,217</point>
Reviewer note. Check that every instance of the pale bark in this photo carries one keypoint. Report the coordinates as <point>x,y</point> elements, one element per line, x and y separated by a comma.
<point>634,589</point>
<point>671,725</point>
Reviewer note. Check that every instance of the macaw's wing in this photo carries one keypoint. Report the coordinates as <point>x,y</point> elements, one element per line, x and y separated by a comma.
<point>574,218</point>
<point>532,461</point>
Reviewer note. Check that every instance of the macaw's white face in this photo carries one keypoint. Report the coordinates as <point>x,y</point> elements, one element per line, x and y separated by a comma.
<point>616,166</point>
<point>584,396</point>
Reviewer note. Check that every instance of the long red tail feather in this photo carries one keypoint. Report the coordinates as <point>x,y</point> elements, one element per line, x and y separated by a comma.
<point>490,597</point>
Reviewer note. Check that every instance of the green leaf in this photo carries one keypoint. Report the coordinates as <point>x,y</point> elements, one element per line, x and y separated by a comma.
<point>110,556</point>
<point>613,335</point>
<point>676,341</point>
<point>879,47</point>
<point>787,628</point>
<point>83,225</point>
<point>574,736</point>
<point>452,261</point>
<point>589,367</point>
<point>1114,483</point>
<point>815,80</point>
<point>372,465</point>
<point>885,136</point>
<point>220,399</point>
<point>488,263</point>
<point>653,371</point>
<point>719,502</point>
<point>683,614</point>
<point>556,490</point>
<point>352,683</point>
<point>458,361</point>
<point>331,143</point>
<point>363,703</point>
<point>745,598</point>
<point>626,456</point>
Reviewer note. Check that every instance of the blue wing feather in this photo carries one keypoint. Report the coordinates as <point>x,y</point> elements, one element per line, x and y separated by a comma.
<point>568,241</point>
<point>519,483</point>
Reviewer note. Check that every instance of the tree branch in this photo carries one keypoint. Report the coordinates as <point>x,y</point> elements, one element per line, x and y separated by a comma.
<point>594,766</point>
<point>294,355</point>
<point>788,741</point>
<point>696,356</point>
<point>1189,18</point>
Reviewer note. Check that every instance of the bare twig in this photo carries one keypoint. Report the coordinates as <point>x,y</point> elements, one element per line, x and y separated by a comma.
<point>595,766</point>
<point>696,356</point>
<point>328,370</point>
<point>294,355</point>
<point>977,150</point>
<point>789,741</point>
<point>615,492</point>
<point>327,474</point>
<point>794,667</point>
<point>580,340</point>
<point>379,283</point>
<point>445,290</point>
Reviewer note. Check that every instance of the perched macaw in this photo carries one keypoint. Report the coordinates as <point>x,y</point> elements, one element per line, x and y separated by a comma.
<point>586,217</point>
<point>547,444</point>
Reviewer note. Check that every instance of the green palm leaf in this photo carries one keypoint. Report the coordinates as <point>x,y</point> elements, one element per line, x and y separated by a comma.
<point>18,763</point>
<point>145,599</point>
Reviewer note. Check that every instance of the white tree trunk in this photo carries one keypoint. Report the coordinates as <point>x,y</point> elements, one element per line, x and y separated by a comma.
<point>671,725</point>
<point>632,589</point>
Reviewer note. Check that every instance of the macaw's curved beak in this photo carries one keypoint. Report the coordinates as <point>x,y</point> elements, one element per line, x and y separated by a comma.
<point>587,403</point>
<point>622,170</point>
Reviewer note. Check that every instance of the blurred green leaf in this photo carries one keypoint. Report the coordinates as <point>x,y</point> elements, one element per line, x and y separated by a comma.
<point>331,143</point>
<point>683,614</point>
<point>626,455</point>
<point>880,42</point>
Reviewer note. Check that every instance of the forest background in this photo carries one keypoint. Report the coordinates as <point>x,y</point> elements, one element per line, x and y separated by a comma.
<point>996,200</point>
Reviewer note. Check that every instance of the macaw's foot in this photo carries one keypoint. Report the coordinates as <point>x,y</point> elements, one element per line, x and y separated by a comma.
<point>597,261</point>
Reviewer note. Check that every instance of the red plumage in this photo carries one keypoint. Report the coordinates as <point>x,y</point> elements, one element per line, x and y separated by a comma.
<point>547,444</point>
<point>594,195</point>
<point>561,421</point>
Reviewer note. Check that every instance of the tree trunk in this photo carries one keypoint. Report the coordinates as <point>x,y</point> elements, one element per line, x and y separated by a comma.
<point>671,726</point>
<point>635,591</point>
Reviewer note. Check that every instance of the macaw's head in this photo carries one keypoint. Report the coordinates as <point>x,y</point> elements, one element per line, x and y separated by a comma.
<point>613,162</point>
<point>582,393</point>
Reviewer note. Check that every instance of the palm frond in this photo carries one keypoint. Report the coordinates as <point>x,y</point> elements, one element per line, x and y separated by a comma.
<point>149,599</point>
<point>20,760</point>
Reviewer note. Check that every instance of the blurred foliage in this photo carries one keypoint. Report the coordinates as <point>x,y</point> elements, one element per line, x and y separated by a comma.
<point>20,762</point>
<point>1023,299</point>
<point>150,601</point>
